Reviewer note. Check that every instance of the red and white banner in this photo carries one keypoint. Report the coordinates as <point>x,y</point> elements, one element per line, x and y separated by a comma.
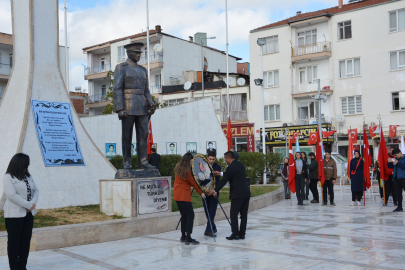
<point>393,131</point>
<point>312,138</point>
<point>295,136</point>
<point>326,134</point>
<point>291,168</point>
<point>372,130</point>
<point>352,133</point>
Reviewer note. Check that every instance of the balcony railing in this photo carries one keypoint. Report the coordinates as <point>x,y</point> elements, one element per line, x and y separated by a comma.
<point>96,99</point>
<point>312,86</point>
<point>235,116</point>
<point>155,89</point>
<point>154,58</point>
<point>311,121</point>
<point>97,69</point>
<point>5,69</point>
<point>311,48</point>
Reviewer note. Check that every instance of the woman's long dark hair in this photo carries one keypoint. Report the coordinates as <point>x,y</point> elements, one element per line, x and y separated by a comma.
<point>304,158</point>
<point>18,167</point>
<point>183,168</point>
<point>285,167</point>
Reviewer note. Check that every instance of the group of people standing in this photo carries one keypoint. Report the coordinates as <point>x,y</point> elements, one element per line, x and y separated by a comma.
<point>306,177</point>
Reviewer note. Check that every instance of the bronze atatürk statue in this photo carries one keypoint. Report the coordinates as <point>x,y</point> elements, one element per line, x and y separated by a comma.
<point>133,103</point>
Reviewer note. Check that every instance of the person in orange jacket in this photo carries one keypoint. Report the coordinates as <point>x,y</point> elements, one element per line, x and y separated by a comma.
<point>183,180</point>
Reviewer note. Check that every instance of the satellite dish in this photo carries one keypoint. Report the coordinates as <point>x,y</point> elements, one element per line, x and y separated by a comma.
<point>340,118</point>
<point>187,85</point>
<point>231,81</point>
<point>158,48</point>
<point>241,81</point>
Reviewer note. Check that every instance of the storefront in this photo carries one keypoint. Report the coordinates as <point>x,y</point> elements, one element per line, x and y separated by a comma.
<point>242,137</point>
<point>276,144</point>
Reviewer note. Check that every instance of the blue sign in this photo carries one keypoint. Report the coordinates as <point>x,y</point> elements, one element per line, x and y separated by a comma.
<point>56,133</point>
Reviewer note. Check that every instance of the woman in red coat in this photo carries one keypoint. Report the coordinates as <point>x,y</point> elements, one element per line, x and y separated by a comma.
<point>183,181</point>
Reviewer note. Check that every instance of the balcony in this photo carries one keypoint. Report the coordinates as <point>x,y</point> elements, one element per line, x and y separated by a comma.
<point>156,61</point>
<point>97,101</point>
<point>154,89</point>
<point>306,89</point>
<point>235,116</point>
<point>5,70</point>
<point>314,51</point>
<point>96,72</point>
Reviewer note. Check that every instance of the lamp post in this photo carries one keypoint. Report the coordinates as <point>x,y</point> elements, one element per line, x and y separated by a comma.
<point>202,60</point>
<point>261,42</point>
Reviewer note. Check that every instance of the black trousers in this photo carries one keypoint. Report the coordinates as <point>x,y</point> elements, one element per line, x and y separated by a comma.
<point>358,194</point>
<point>328,186</point>
<point>187,216</point>
<point>241,206</point>
<point>19,231</point>
<point>300,187</point>
<point>307,187</point>
<point>142,130</point>
<point>399,185</point>
<point>210,210</point>
<point>390,189</point>
<point>314,189</point>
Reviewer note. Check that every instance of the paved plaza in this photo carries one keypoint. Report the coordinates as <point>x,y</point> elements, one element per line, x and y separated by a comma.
<point>280,236</point>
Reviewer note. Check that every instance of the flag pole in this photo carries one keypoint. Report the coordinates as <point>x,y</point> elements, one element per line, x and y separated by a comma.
<point>227,60</point>
<point>291,196</point>
<point>147,42</point>
<point>383,181</point>
<point>364,179</point>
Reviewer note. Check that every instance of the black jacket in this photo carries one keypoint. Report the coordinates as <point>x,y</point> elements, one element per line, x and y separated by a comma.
<point>154,160</point>
<point>313,169</point>
<point>235,174</point>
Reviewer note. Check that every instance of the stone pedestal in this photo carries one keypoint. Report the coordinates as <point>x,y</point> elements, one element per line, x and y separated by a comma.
<point>131,197</point>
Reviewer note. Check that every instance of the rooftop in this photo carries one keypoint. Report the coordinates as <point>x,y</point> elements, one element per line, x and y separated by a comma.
<point>325,12</point>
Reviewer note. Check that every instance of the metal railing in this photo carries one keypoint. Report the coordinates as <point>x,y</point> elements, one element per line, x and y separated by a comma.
<point>5,69</point>
<point>313,86</point>
<point>311,121</point>
<point>235,116</point>
<point>324,46</point>
<point>97,69</point>
<point>154,58</point>
<point>96,99</point>
<point>155,89</point>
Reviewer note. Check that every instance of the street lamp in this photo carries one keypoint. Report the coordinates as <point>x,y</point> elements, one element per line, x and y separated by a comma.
<point>202,60</point>
<point>261,42</point>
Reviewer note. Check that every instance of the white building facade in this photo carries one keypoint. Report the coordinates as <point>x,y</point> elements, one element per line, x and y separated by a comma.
<point>357,51</point>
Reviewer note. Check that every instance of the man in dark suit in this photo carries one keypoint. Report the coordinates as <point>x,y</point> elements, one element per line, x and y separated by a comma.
<point>154,158</point>
<point>236,154</point>
<point>239,194</point>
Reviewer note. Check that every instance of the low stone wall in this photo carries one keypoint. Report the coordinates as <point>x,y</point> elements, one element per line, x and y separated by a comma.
<point>104,231</point>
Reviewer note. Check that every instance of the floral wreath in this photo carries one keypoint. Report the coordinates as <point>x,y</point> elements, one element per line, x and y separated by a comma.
<point>197,181</point>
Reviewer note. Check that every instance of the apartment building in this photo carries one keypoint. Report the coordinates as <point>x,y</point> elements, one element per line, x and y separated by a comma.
<point>356,51</point>
<point>172,60</point>
<point>6,60</point>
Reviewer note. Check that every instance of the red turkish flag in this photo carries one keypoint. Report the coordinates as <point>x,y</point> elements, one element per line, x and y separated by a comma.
<point>350,155</point>
<point>326,134</point>
<point>312,138</point>
<point>393,131</point>
<point>150,140</point>
<point>319,159</point>
<point>291,168</point>
<point>367,159</point>
<point>372,129</point>
<point>383,158</point>
<point>295,136</point>
<point>229,134</point>
<point>353,134</point>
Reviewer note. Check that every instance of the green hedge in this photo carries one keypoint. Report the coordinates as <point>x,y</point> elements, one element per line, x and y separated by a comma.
<point>253,162</point>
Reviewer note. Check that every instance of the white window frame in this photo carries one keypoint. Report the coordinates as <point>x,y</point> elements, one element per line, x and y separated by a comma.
<point>399,67</point>
<point>356,109</point>
<point>274,108</point>
<point>344,33</point>
<point>266,79</point>
<point>306,74</point>
<point>346,65</point>
<point>121,53</point>
<point>268,40</point>
<point>177,101</point>
<point>394,30</point>
<point>305,35</point>
<point>401,104</point>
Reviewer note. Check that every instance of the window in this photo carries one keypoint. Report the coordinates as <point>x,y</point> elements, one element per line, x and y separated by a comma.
<point>349,68</point>
<point>1,91</point>
<point>102,64</point>
<point>397,20</point>
<point>271,45</point>
<point>307,37</point>
<point>345,30</point>
<point>308,74</point>
<point>0,61</point>
<point>397,60</point>
<point>121,53</point>
<point>240,144</point>
<point>271,112</point>
<point>398,101</point>
<point>103,90</point>
<point>173,102</point>
<point>351,105</point>
<point>11,60</point>
<point>270,79</point>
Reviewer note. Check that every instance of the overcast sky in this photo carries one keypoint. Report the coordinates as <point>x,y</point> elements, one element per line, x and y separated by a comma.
<point>95,21</point>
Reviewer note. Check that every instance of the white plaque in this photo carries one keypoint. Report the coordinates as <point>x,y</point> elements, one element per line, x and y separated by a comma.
<point>153,196</point>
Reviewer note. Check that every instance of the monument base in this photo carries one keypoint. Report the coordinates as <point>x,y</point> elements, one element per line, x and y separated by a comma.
<point>131,197</point>
<point>144,173</point>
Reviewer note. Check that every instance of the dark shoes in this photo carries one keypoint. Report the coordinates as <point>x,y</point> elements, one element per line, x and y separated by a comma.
<point>182,239</point>
<point>395,204</point>
<point>325,203</point>
<point>314,201</point>
<point>398,210</point>
<point>333,204</point>
<point>215,230</point>
<point>242,237</point>
<point>210,234</point>
<point>191,242</point>
<point>233,237</point>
